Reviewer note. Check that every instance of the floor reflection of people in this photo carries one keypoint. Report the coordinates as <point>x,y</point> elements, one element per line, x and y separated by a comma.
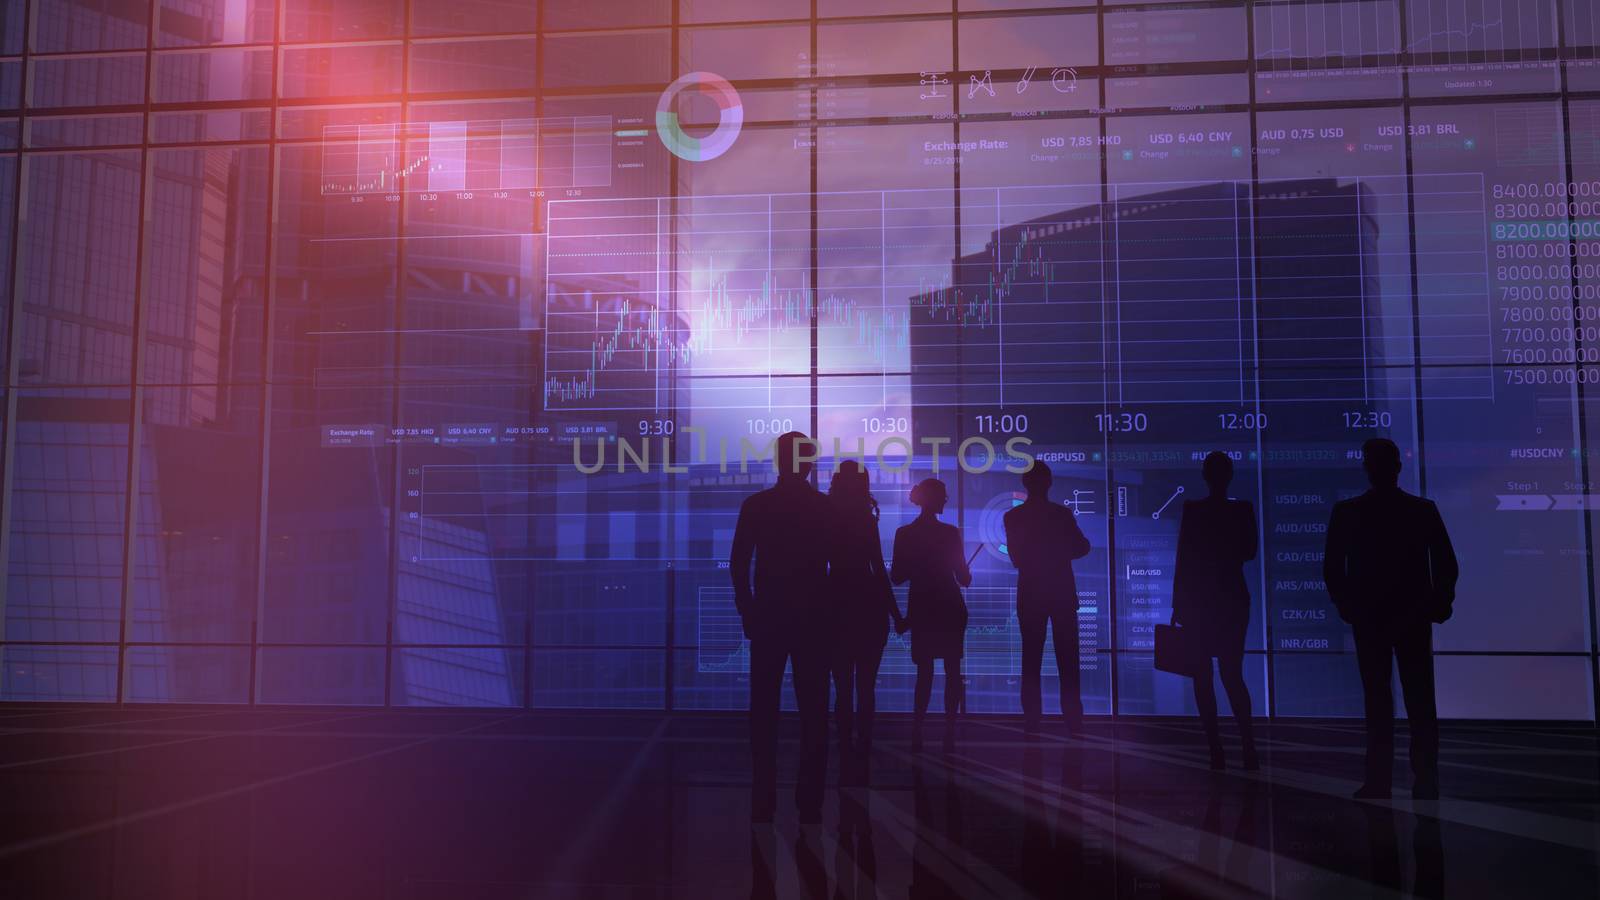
<point>1383,848</point>
<point>1222,864</point>
<point>1387,866</point>
<point>811,869</point>
<point>1234,867</point>
<point>1048,865</point>
<point>1427,846</point>
<point>856,860</point>
<point>932,871</point>
<point>763,864</point>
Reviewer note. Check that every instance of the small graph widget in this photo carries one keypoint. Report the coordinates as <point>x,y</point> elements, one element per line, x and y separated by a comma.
<point>484,155</point>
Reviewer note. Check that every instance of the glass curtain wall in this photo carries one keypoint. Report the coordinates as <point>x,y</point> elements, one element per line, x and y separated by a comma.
<point>307,300</point>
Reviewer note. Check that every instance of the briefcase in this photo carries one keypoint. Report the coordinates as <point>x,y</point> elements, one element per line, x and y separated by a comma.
<point>1176,651</point>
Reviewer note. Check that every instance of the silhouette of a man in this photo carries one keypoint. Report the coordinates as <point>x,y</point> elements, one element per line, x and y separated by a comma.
<point>1042,539</point>
<point>1391,573</point>
<point>785,528</point>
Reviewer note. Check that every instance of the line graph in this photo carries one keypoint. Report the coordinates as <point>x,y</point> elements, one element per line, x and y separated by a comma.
<point>1328,34</point>
<point>483,155</point>
<point>726,318</point>
<point>1499,30</point>
<point>1582,25</point>
<point>642,291</point>
<point>1134,292</point>
<point>1320,49</point>
<point>1585,124</point>
<point>721,286</point>
<point>730,295</point>
<point>1465,35</point>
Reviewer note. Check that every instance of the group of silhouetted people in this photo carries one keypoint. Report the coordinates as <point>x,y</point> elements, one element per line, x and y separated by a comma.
<point>822,600</point>
<point>1391,573</point>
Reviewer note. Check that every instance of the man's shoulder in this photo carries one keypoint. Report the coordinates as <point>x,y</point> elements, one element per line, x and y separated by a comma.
<point>1385,503</point>
<point>1036,509</point>
<point>814,503</point>
<point>792,500</point>
<point>1422,509</point>
<point>763,501</point>
<point>1352,504</point>
<point>1203,506</point>
<point>759,498</point>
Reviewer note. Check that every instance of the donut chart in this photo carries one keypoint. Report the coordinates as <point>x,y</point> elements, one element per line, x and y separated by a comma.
<point>730,118</point>
<point>992,526</point>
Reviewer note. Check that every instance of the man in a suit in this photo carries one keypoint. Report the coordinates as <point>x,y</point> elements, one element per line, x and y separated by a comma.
<point>785,528</point>
<point>1042,539</point>
<point>1391,573</point>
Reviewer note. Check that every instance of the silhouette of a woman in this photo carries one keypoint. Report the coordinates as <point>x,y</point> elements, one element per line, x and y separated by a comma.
<point>1211,600</point>
<point>927,553</point>
<point>863,604</point>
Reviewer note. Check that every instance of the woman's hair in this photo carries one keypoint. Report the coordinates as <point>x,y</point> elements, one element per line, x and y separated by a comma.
<point>926,490</point>
<point>1217,467</point>
<point>851,490</point>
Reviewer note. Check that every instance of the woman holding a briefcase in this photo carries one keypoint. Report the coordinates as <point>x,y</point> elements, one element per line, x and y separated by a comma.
<point>1211,602</point>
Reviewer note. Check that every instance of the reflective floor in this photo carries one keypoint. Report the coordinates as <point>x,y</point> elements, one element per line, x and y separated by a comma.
<point>167,803</point>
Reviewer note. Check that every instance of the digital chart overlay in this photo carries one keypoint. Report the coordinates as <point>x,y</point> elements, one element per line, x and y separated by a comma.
<point>481,155</point>
<point>993,643</point>
<point>1069,298</point>
<point>730,118</point>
